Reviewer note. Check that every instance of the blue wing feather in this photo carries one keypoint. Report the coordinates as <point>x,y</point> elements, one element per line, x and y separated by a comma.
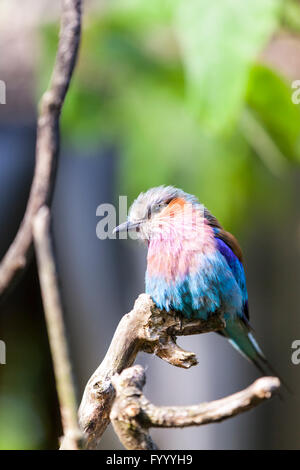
<point>237,270</point>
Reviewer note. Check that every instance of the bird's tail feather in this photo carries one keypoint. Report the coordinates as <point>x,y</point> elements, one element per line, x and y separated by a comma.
<point>241,338</point>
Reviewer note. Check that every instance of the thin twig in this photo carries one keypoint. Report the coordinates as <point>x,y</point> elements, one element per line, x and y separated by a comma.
<point>145,328</point>
<point>133,415</point>
<point>73,437</point>
<point>47,143</point>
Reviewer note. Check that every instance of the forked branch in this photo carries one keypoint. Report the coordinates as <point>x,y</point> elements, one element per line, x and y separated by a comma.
<point>145,328</point>
<point>133,415</point>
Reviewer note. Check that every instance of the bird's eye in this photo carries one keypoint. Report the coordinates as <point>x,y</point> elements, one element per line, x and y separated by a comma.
<point>157,207</point>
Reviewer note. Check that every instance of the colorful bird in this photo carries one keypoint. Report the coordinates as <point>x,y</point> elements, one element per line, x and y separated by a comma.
<point>194,267</point>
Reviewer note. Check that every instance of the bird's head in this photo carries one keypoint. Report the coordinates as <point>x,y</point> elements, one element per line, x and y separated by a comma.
<point>152,211</point>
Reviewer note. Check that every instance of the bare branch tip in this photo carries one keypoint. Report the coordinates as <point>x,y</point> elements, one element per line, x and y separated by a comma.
<point>265,387</point>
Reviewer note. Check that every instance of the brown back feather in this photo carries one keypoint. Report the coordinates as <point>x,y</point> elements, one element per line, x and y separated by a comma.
<point>227,237</point>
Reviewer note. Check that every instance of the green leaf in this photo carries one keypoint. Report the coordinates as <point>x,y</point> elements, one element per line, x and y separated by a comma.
<point>269,95</point>
<point>290,16</point>
<point>141,13</point>
<point>219,41</point>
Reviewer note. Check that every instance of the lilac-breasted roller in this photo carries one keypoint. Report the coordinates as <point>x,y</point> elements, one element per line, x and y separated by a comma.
<point>194,267</point>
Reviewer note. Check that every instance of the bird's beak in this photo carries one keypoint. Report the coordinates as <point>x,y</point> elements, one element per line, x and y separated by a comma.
<point>126,226</point>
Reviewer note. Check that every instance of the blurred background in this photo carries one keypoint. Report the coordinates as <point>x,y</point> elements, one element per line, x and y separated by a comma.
<point>194,93</point>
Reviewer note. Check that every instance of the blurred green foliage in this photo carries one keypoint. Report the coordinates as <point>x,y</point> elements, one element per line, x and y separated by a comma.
<point>219,41</point>
<point>177,86</point>
<point>290,15</point>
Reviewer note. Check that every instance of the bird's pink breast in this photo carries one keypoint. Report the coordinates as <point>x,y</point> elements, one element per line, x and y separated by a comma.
<point>179,245</point>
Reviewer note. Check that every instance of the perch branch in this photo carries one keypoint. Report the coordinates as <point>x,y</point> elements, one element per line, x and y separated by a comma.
<point>73,437</point>
<point>47,142</point>
<point>132,414</point>
<point>145,328</point>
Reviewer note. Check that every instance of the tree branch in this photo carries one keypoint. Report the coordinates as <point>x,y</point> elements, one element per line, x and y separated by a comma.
<point>73,436</point>
<point>132,414</point>
<point>145,328</point>
<point>47,143</point>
